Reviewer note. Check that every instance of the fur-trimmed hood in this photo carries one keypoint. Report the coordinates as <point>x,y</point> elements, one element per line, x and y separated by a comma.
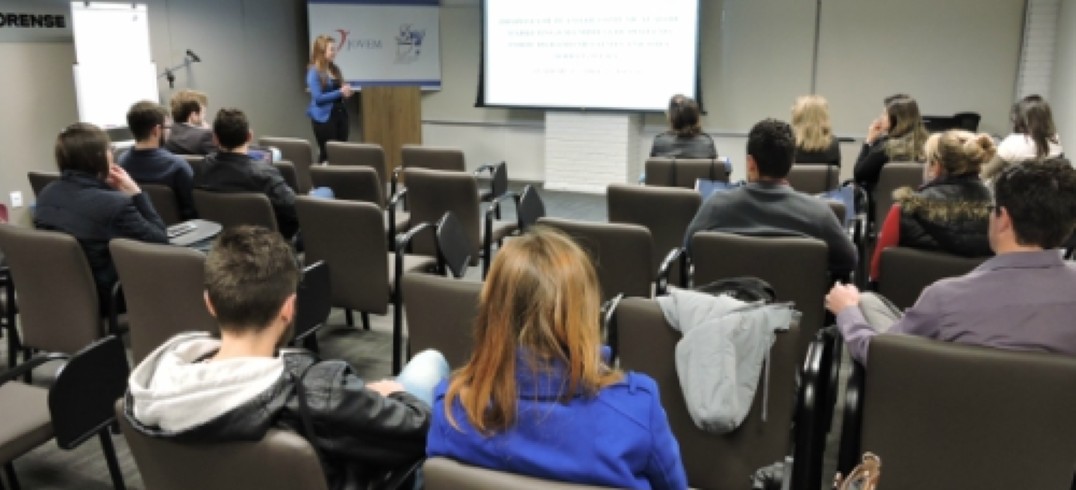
<point>949,214</point>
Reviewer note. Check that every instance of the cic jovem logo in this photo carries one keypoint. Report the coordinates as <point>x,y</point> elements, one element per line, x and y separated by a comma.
<point>9,20</point>
<point>408,43</point>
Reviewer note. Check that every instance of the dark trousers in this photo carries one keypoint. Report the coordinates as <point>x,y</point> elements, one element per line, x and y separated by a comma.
<point>335,128</point>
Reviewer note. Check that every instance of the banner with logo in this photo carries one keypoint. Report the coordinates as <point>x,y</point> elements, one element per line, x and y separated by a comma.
<point>382,42</point>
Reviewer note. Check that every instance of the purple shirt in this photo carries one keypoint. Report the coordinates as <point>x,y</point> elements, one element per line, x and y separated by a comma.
<point>1020,300</point>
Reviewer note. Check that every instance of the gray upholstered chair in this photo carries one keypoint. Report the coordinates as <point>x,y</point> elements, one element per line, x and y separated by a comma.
<point>38,180</point>
<point>894,175</point>
<point>449,474</point>
<point>298,152</point>
<point>814,178</point>
<point>646,343</point>
<point>440,315</point>
<point>906,271</point>
<point>235,208</point>
<point>946,415</point>
<point>163,286</point>
<point>360,183</point>
<point>359,154</point>
<point>683,172</point>
<point>164,202</point>
<point>280,460</point>
<point>621,254</point>
<point>432,157</point>
<point>197,163</point>
<point>665,211</point>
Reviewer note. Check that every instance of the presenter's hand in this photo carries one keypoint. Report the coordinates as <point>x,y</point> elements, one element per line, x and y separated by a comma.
<point>840,297</point>
<point>347,90</point>
<point>385,387</point>
<point>119,180</point>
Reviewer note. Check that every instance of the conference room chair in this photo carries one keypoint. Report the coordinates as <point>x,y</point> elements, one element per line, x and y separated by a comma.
<point>57,297</point>
<point>163,286</point>
<point>621,254</point>
<point>440,314</point>
<point>75,408</point>
<point>647,344</point>
<point>665,211</point>
<point>947,415</point>
<point>498,181</point>
<point>313,303</point>
<point>364,276</point>
<point>360,183</point>
<point>38,180</point>
<point>288,172</point>
<point>906,271</point>
<point>530,208</point>
<point>235,208</point>
<point>683,172</point>
<point>164,202</point>
<point>281,460</point>
<point>813,178</point>
<point>432,157</point>
<point>432,193</point>
<point>448,474</point>
<point>359,154</point>
<point>197,163</point>
<point>894,175</point>
<point>298,152</point>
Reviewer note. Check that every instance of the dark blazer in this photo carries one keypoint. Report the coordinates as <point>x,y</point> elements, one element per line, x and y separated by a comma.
<point>237,172</point>
<point>85,207</point>
<point>190,140</point>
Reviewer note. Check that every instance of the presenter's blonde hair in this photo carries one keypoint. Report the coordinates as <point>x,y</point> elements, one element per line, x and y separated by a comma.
<point>320,62</point>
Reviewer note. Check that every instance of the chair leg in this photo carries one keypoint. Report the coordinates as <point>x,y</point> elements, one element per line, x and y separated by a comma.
<point>12,480</point>
<point>349,317</point>
<point>397,334</point>
<point>110,458</point>
<point>13,346</point>
<point>365,320</point>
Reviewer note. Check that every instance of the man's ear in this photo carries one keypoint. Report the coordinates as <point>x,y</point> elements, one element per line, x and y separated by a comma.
<point>216,142</point>
<point>752,166</point>
<point>287,310</point>
<point>1004,221</point>
<point>209,304</point>
<point>250,137</point>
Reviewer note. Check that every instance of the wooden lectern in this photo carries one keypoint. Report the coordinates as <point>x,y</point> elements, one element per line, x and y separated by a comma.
<point>392,117</point>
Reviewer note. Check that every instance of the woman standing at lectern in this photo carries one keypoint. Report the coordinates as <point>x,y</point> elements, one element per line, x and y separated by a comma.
<point>327,93</point>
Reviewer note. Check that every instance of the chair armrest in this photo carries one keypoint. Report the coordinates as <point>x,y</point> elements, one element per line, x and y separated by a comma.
<point>494,211</point>
<point>488,167</point>
<point>33,363</point>
<point>398,476</point>
<point>395,179</point>
<point>609,327</point>
<point>114,309</point>
<point>394,201</point>
<point>403,242</point>
<point>674,255</point>
<point>851,427</point>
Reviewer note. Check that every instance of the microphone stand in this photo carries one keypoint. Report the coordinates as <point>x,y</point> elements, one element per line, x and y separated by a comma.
<point>169,73</point>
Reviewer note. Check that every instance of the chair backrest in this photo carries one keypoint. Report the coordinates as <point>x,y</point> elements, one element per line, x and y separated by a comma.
<point>235,208</point>
<point>906,271</point>
<point>57,296</point>
<point>449,474</point>
<point>944,415</point>
<point>280,460</point>
<point>350,237</point>
<point>38,180</point>
<point>298,152</point>
<point>894,175</point>
<point>683,172</point>
<point>313,301</point>
<point>531,208</point>
<point>359,154</point>
<point>499,180</point>
<point>164,202</point>
<point>82,397</point>
<point>432,193</point>
<point>350,182</point>
<point>665,211</point>
<point>436,158</point>
<point>621,254</point>
<point>163,286</point>
<point>812,178</point>
<point>287,171</point>
<point>647,344</point>
<point>796,267</point>
<point>197,163</point>
<point>441,312</point>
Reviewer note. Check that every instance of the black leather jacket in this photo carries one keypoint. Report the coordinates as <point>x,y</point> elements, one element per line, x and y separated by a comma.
<point>359,434</point>
<point>948,214</point>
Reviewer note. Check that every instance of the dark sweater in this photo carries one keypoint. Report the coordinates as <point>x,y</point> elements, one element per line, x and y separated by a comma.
<point>158,166</point>
<point>237,172</point>
<point>830,155</point>
<point>776,209</point>
<point>185,139</point>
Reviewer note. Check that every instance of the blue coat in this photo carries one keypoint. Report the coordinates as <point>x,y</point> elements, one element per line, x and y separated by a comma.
<point>321,101</point>
<point>620,438</point>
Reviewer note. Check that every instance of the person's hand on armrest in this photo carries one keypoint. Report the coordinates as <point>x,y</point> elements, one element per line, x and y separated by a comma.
<point>385,387</point>
<point>841,296</point>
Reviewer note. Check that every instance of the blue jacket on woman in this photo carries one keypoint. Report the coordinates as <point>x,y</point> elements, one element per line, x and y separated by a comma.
<point>619,438</point>
<point>321,101</point>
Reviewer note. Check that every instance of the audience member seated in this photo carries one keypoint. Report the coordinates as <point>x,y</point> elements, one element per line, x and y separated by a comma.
<point>685,138</point>
<point>232,170</point>
<point>148,163</point>
<point>201,389</point>
<point>767,205</point>
<point>536,397</point>
<point>949,212</point>
<point>190,134</point>
<point>1034,136</point>
<point>896,135</point>
<point>95,201</point>
<point>1021,299</point>
<point>814,135</point>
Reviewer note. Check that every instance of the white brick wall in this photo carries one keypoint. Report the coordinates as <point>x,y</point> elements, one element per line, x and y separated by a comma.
<point>1040,44</point>
<point>586,152</point>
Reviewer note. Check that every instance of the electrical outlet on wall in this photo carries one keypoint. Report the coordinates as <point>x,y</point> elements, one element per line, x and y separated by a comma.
<point>16,199</point>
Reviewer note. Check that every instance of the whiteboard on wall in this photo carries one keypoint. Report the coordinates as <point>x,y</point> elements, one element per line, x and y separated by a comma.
<point>113,68</point>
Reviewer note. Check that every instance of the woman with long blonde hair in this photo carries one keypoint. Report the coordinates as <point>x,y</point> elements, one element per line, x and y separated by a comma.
<point>814,135</point>
<point>536,397</point>
<point>327,93</point>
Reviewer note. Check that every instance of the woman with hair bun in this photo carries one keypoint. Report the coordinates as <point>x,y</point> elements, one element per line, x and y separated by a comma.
<point>950,212</point>
<point>685,138</point>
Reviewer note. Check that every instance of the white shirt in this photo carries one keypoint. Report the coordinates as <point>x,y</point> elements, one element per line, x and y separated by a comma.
<point>1017,146</point>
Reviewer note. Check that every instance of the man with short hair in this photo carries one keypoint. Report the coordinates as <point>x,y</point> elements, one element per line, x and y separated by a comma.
<point>1023,298</point>
<point>200,389</point>
<point>148,163</point>
<point>232,170</point>
<point>190,134</point>
<point>768,205</point>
